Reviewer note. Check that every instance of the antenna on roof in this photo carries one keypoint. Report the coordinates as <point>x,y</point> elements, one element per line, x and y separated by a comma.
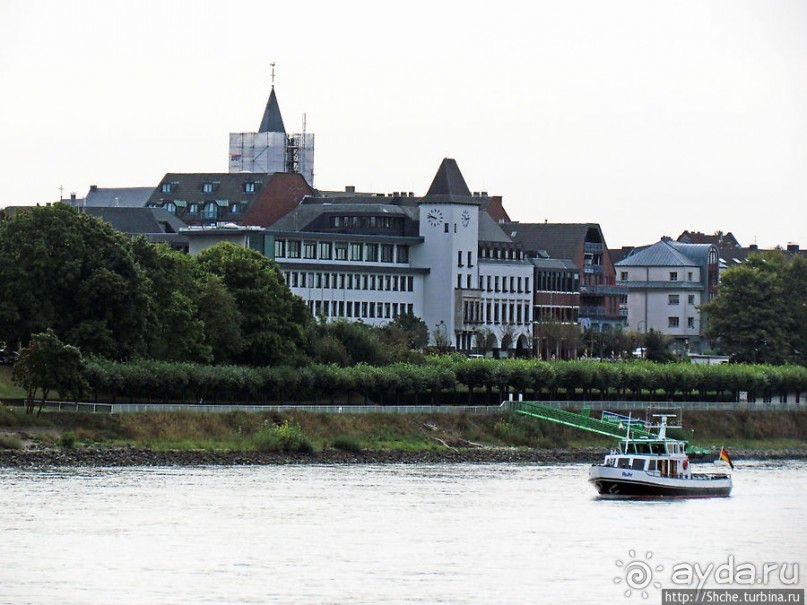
<point>272,64</point>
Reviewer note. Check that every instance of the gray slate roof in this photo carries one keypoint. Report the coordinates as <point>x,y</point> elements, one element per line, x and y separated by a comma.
<point>272,120</point>
<point>668,253</point>
<point>311,209</point>
<point>490,230</point>
<point>559,240</point>
<point>449,180</point>
<point>117,197</point>
<point>138,221</point>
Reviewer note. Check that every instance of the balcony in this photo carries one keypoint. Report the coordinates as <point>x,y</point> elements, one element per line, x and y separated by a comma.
<point>592,248</point>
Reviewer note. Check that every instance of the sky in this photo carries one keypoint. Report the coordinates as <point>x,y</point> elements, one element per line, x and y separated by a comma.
<point>647,117</point>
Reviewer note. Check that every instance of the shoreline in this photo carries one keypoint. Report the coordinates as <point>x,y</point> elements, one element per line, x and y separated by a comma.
<point>131,457</point>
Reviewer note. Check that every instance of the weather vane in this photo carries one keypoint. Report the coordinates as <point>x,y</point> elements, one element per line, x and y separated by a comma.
<point>272,64</point>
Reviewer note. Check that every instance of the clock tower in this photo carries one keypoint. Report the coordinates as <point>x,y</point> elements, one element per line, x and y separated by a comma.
<point>449,226</point>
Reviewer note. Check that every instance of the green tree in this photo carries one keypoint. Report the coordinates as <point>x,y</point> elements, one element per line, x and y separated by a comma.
<point>273,320</point>
<point>755,315</point>
<point>409,330</point>
<point>178,330</point>
<point>48,364</point>
<point>75,274</point>
<point>657,347</point>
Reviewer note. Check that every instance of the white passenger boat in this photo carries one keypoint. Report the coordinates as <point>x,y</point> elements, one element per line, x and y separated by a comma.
<point>655,466</point>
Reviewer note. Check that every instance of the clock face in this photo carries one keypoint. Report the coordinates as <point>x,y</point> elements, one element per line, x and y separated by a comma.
<point>466,218</point>
<point>435,218</point>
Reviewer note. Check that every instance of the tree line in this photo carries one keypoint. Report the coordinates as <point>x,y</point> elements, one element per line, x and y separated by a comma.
<point>452,379</point>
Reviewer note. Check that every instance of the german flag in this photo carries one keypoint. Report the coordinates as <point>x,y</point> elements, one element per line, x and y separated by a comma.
<point>724,456</point>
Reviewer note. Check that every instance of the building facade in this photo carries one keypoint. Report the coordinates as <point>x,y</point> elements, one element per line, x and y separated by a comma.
<point>667,282</point>
<point>367,258</point>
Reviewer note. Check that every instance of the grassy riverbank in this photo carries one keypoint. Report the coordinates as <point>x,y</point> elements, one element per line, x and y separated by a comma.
<point>406,434</point>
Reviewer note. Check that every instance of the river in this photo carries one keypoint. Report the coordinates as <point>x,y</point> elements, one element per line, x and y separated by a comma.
<point>398,533</point>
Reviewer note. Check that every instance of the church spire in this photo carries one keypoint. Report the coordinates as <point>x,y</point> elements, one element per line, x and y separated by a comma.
<point>272,120</point>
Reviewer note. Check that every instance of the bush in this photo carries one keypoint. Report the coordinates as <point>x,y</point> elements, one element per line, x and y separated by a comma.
<point>68,439</point>
<point>346,443</point>
<point>7,442</point>
<point>283,438</point>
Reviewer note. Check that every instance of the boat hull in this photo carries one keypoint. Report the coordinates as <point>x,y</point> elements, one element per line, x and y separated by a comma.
<point>613,482</point>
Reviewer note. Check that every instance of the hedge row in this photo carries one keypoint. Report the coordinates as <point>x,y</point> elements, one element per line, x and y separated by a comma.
<point>447,379</point>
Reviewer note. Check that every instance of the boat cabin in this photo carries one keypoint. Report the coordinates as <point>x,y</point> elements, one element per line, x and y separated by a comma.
<point>660,458</point>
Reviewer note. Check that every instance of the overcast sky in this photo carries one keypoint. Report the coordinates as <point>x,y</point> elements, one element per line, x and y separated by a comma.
<point>646,117</point>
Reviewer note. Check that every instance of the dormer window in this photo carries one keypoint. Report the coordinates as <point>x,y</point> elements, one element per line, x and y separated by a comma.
<point>166,188</point>
<point>211,210</point>
<point>250,187</point>
<point>171,207</point>
<point>207,187</point>
<point>193,208</point>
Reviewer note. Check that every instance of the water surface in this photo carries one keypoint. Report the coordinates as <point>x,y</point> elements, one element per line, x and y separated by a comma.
<point>459,533</point>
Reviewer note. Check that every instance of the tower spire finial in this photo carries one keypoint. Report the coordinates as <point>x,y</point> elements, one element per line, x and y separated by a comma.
<point>272,64</point>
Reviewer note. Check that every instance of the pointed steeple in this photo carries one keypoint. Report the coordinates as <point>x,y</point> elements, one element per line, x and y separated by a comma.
<point>449,181</point>
<point>272,120</point>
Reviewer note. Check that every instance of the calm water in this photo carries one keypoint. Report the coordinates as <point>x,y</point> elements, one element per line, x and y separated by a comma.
<point>369,534</point>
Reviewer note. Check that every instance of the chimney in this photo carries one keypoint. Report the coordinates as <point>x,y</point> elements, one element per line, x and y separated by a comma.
<point>350,188</point>
<point>753,247</point>
<point>72,197</point>
<point>93,187</point>
<point>793,248</point>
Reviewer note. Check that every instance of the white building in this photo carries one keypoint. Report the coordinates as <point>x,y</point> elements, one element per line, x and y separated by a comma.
<point>667,282</point>
<point>371,258</point>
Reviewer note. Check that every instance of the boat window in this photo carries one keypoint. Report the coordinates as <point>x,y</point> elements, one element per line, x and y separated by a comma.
<point>638,464</point>
<point>624,463</point>
<point>651,465</point>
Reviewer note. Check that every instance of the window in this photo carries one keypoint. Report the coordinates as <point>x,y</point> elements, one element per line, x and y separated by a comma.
<point>340,250</point>
<point>309,250</point>
<point>325,250</point>
<point>249,187</point>
<point>166,188</point>
<point>235,208</point>
<point>691,299</point>
<point>459,281</point>
<point>672,322</point>
<point>207,187</point>
<point>690,322</point>
<point>673,299</point>
<point>386,253</point>
<point>211,210</point>
<point>470,258</point>
<point>355,251</point>
<point>280,248</point>
<point>445,227</point>
<point>294,249</point>
<point>170,207</point>
<point>673,275</point>
<point>468,281</point>
<point>403,254</point>
<point>689,276</point>
<point>459,259</point>
<point>623,276</point>
<point>371,255</point>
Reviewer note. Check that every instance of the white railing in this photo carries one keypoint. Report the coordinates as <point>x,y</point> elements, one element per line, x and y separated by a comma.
<point>128,408</point>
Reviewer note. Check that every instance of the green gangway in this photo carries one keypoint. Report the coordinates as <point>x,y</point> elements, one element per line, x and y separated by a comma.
<point>582,421</point>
